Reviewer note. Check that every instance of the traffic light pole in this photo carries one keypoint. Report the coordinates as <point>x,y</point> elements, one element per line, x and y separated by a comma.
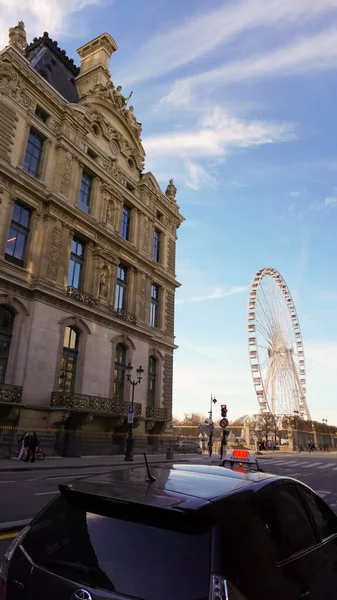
<point>224,430</point>
<point>210,443</point>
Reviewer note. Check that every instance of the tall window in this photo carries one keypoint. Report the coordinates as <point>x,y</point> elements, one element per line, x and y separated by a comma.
<point>119,372</point>
<point>69,361</point>
<point>156,246</point>
<point>32,160</point>
<point>6,330</point>
<point>154,310</point>
<point>85,192</point>
<point>120,296</point>
<point>125,227</point>
<point>18,234</point>
<point>152,381</point>
<point>75,273</point>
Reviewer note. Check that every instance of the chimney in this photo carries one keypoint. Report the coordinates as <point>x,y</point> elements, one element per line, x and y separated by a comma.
<point>95,56</point>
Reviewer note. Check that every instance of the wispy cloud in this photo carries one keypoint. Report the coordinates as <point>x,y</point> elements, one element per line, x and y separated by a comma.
<point>297,193</point>
<point>203,32</point>
<point>197,176</point>
<point>328,202</point>
<point>40,16</point>
<point>313,53</point>
<point>215,134</point>
<point>215,294</point>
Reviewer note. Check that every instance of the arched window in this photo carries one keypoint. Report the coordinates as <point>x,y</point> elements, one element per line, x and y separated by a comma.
<point>152,381</point>
<point>69,360</point>
<point>119,372</point>
<point>6,331</point>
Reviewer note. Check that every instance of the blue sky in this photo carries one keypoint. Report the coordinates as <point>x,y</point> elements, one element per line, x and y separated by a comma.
<point>237,100</point>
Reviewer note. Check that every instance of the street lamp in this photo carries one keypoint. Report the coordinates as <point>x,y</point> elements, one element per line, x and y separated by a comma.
<point>213,401</point>
<point>325,421</point>
<point>129,440</point>
<point>296,413</point>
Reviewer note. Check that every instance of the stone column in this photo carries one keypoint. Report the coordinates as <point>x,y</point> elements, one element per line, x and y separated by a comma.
<point>131,296</point>
<point>134,234</point>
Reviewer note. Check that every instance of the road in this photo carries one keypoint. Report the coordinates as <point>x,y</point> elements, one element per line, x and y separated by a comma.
<point>23,494</point>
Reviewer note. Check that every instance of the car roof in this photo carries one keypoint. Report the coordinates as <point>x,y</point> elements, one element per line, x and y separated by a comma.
<point>180,487</point>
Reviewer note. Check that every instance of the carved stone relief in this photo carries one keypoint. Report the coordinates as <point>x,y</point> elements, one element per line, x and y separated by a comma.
<point>142,309</point>
<point>66,174</point>
<point>54,256</point>
<point>145,245</point>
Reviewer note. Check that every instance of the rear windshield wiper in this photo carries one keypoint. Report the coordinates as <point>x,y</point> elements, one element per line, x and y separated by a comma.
<point>98,576</point>
<point>72,565</point>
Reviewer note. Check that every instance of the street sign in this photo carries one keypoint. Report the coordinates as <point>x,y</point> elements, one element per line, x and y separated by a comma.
<point>206,427</point>
<point>131,414</point>
<point>224,423</point>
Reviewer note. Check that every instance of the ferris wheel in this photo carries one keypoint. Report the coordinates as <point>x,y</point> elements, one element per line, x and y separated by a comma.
<point>275,344</point>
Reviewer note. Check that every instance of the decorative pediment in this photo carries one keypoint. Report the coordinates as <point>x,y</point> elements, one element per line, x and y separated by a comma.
<point>91,109</point>
<point>152,184</point>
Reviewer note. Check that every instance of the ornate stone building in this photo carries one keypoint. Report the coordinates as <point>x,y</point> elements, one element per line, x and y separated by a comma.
<point>87,247</point>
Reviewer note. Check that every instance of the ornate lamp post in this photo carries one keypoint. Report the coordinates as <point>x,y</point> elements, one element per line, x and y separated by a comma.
<point>325,421</point>
<point>297,413</point>
<point>213,401</point>
<point>129,441</point>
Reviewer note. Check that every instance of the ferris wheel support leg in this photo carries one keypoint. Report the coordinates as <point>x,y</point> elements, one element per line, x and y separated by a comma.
<point>297,379</point>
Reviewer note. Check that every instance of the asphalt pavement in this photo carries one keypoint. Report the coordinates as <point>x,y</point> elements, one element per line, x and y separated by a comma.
<point>24,493</point>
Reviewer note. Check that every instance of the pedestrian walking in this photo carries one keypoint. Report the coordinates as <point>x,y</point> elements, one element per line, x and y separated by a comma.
<point>33,444</point>
<point>24,443</point>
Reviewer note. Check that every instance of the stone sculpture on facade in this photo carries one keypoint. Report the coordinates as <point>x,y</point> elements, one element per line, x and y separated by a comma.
<point>103,286</point>
<point>17,36</point>
<point>130,117</point>
<point>171,191</point>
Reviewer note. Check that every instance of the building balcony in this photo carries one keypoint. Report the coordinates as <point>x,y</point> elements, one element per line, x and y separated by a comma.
<point>80,296</point>
<point>156,414</point>
<point>124,315</point>
<point>10,394</point>
<point>92,404</point>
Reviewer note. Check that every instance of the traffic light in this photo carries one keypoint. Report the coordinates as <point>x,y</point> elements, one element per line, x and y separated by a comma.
<point>224,410</point>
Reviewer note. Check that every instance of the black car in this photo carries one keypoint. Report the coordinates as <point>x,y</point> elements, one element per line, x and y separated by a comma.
<point>194,533</point>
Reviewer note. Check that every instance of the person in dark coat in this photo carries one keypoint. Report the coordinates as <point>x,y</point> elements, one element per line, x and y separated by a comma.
<point>33,444</point>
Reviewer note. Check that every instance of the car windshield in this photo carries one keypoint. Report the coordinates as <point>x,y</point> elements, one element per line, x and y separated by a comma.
<point>136,559</point>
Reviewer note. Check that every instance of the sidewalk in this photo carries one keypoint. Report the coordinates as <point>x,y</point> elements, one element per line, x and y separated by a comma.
<point>85,462</point>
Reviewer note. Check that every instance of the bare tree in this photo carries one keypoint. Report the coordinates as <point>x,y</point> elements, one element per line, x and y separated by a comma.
<point>190,419</point>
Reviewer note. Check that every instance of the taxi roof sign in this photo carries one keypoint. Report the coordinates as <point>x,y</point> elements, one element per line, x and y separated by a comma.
<point>239,458</point>
<point>238,454</point>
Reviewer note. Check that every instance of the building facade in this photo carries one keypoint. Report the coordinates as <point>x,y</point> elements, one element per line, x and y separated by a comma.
<point>87,247</point>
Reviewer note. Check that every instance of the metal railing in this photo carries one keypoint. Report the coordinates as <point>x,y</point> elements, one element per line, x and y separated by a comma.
<point>156,413</point>
<point>10,394</point>
<point>94,404</point>
<point>80,296</point>
<point>124,315</point>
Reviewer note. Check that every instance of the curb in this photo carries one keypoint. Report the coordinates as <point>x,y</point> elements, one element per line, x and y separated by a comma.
<point>14,525</point>
<point>96,465</point>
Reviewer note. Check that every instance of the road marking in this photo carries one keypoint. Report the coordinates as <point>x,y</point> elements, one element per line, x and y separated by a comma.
<point>11,481</point>
<point>8,536</point>
<point>327,466</point>
<point>44,493</point>
<point>322,493</point>
<point>312,465</point>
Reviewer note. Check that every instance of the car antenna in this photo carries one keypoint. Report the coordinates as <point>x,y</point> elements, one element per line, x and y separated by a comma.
<point>150,477</point>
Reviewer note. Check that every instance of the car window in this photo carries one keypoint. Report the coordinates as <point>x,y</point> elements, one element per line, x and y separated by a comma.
<point>285,518</point>
<point>322,515</point>
<point>145,560</point>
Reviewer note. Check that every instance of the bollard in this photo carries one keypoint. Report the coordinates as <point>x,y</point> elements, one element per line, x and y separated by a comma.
<point>169,453</point>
